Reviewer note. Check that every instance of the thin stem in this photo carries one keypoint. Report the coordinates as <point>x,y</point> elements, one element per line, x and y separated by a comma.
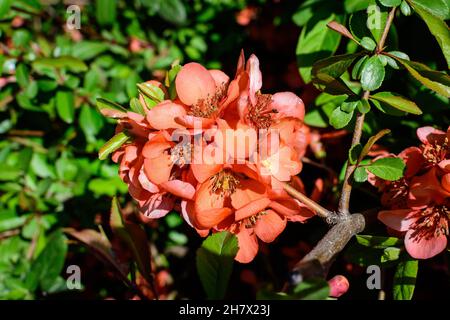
<point>311,204</point>
<point>383,38</point>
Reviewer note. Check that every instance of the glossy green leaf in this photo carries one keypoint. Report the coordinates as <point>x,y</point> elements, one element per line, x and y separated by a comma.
<point>354,153</point>
<point>438,8</point>
<point>390,169</point>
<point>339,119</point>
<point>405,279</point>
<point>151,91</point>
<point>436,25</point>
<point>357,5</point>
<point>368,43</point>
<point>397,101</point>
<point>372,74</point>
<point>113,144</point>
<point>316,42</point>
<point>360,174</point>
<point>215,263</point>
<point>357,68</point>
<point>405,8</point>
<point>434,80</point>
<point>136,106</point>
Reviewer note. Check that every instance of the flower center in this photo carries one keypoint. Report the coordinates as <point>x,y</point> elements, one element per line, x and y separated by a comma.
<point>432,222</point>
<point>260,114</point>
<point>224,182</point>
<point>250,222</point>
<point>180,154</point>
<point>436,152</point>
<point>207,107</point>
<point>395,194</point>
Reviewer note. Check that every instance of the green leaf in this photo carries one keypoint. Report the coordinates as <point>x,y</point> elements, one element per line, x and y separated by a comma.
<point>173,11</point>
<point>334,66</point>
<point>65,105</point>
<point>113,144</point>
<point>86,50</point>
<point>390,3</point>
<point>378,242</point>
<point>354,152</point>
<point>372,140</point>
<point>63,62</point>
<point>372,74</point>
<point>434,80</point>
<point>357,68</point>
<point>405,8</point>
<point>110,109</point>
<point>90,122</point>
<point>12,223</point>
<point>49,264</point>
<point>215,263</point>
<point>66,169</point>
<point>312,289</point>
<point>105,11</point>
<point>405,279</point>
<point>376,21</point>
<point>316,42</point>
<point>387,168</point>
<point>437,26</point>
<point>134,236</point>
<point>396,101</point>
<point>438,8</point>
<point>368,44</point>
<point>349,105</point>
<point>360,174</point>
<point>390,254</point>
<point>339,119</point>
<point>5,5</point>
<point>22,75</point>
<point>357,5</point>
<point>136,106</point>
<point>363,106</point>
<point>151,91</point>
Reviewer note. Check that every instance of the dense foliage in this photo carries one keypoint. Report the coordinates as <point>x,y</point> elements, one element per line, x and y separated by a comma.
<point>55,193</point>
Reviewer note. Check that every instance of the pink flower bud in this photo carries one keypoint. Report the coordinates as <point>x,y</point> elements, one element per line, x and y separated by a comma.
<point>338,286</point>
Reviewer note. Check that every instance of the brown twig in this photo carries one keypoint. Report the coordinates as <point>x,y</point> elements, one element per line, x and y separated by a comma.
<point>318,260</point>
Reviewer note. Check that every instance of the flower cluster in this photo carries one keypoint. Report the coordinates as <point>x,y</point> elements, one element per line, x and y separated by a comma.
<point>218,151</point>
<point>419,203</point>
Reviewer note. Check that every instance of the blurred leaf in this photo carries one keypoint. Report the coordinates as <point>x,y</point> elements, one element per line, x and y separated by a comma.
<point>387,168</point>
<point>4,7</point>
<point>105,11</point>
<point>405,279</point>
<point>134,236</point>
<point>312,289</point>
<point>12,223</point>
<point>357,5</point>
<point>49,264</point>
<point>22,75</point>
<point>173,11</point>
<point>113,144</point>
<point>68,62</point>
<point>65,105</point>
<point>88,49</point>
<point>396,101</point>
<point>215,263</point>
<point>90,122</point>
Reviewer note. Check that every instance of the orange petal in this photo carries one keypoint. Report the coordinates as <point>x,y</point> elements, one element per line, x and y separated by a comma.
<point>158,169</point>
<point>252,208</point>
<point>179,188</point>
<point>247,191</point>
<point>194,82</point>
<point>220,78</point>
<point>288,105</point>
<point>194,122</point>
<point>210,218</point>
<point>269,226</point>
<point>248,245</point>
<point>162,116</point>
